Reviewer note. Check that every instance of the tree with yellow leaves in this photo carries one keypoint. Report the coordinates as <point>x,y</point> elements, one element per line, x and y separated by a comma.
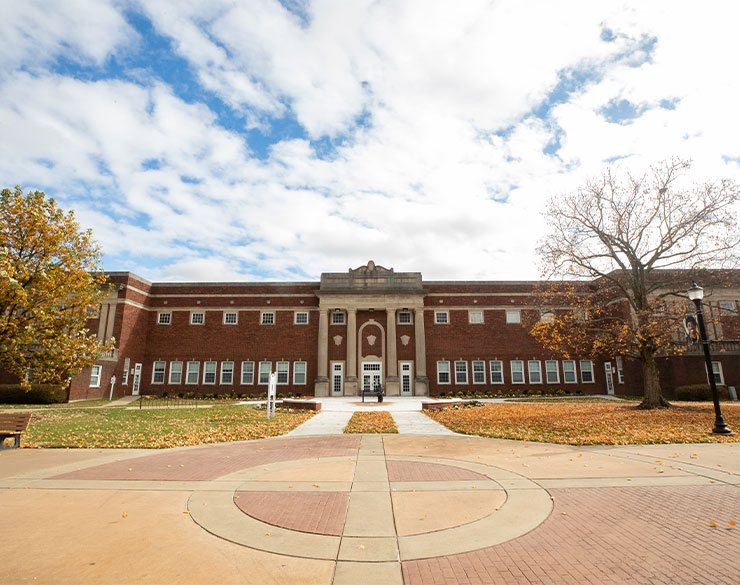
<point>49,280</point>
<point>640,241</point>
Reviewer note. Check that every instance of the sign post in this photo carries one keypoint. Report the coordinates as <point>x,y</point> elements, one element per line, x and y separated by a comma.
<point>271,394</point>
<point>112,384</point>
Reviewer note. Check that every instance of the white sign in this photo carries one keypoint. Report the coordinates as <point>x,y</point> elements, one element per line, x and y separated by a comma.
<point>271,394</point>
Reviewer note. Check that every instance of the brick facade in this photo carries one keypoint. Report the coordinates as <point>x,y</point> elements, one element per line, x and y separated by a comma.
<point>424,338</point>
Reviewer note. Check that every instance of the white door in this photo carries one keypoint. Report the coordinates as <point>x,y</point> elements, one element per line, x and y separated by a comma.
<point>407,378</point>
<point>372,375</point>
<point>337,379</point>
<point>609,378</point>
<point>137,380</point>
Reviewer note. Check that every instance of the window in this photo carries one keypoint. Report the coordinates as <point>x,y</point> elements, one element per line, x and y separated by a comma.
<point>443,372</point>
<point>126,367</point>
<point>534,367</point>
<point>265,369</point>
<point>552,373</point>
<point>95,374</point>
<point>461,372</point>
<point>267,319</point>
<point>175,372</point>
<point>158,372</point>
<point>227,372</point>
<point>164,318</point>
<point>547,317</point>
<point>247,372</point>
<point>475,317</point>
<point>497,372</point>
<point>209,372</point>
<point>441,317</point>
<point>283,373</point>
<point>197,318</point>
<point>479,372</point>
<point>337,318</point>
<point>727,308</point>
<point>717,371</point>
<point>301,318</point>
<point>569,372</point>
<point>620,370</point>
<point>513,317</point>
<point>587,371</point>
<point>231,318</point>
<point>517,372</point>
<point>92,312</point>
<point>193,372</point>
<point>299,373</point>
<point>404,317</point>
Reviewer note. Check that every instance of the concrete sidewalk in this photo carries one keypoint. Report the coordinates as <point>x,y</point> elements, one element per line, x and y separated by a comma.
<point>380,509</point>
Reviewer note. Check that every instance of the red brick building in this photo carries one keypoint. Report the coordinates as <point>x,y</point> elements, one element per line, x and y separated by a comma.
<point>368,326</point>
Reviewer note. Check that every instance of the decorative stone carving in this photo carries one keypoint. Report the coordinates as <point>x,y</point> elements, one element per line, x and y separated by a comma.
<point>337,340</point>
<point>371,339</point>
<point>405,339</point>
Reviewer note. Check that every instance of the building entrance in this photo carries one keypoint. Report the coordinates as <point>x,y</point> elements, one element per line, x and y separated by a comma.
<point>372,375</point>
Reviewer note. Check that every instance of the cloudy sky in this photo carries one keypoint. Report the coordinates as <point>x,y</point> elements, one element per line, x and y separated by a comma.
<point>275,140</point>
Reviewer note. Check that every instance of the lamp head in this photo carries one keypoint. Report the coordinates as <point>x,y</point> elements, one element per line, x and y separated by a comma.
<point>695,292</point>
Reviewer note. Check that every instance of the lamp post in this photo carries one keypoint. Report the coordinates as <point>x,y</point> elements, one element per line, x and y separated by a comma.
<point>696,294</point>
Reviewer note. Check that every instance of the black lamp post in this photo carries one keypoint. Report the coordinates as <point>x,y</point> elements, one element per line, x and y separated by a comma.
<point>696,294</point>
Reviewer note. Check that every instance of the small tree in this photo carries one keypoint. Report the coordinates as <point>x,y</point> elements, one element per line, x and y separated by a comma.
<point>48,283</point>
<point>630,237</point>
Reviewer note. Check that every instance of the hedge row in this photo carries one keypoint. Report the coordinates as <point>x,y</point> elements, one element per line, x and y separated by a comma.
<point>38,394</point>
<point>700,393</point>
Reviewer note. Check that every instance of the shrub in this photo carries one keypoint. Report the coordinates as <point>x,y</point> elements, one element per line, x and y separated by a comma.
<point>38,394</point>
<point>700,392</point>
<point>280,396</point>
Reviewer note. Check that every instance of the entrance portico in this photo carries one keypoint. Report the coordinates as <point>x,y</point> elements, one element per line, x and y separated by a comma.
<point>367,306</point>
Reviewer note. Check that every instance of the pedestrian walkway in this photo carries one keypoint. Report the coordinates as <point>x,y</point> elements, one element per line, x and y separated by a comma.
<point>324,423</point>
<point>418,423</point>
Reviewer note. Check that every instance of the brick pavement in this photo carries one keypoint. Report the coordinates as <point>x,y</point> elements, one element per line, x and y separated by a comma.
<point>420,471</point>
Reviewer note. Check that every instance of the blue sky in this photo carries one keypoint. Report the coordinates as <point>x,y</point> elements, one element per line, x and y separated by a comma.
<point>266,140</point>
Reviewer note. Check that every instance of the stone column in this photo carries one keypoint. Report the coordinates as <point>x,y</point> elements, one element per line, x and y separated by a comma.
<point>392,382</point>
<point>351,385</point>
<point>321,387</point>
<point>421,386</point>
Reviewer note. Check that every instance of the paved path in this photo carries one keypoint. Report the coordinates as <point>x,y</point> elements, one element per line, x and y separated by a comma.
<point>373,509</point>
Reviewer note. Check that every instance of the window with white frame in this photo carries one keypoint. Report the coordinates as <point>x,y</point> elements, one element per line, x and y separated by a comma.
<point>158,372</point>
<point>587,371</point>
<point>717,372</point>
<point>209,372</point>
<point>497,372</point>
<point>175,372</point>
<point>267,318</point>
<point>534,367</point>
<point>620,370</point>
<point>513,316</point>
<point>301,318</point>
<point>227,372</point>
<point>197,318</point>
<point>461,372</point>
<point>569,372</point>
<point>264,374</point>
<point>727,308</point>
<point>299,373</point>
<point>95,375</point>
<point>126,367</point>
<point>193,371</point>
<point>337,318</point>
<point>475,317</point>
<point>517,372</point>
<point>441,317</point>
<point>479,372</point>
<point>247,372</point>
<point>283,373</point>
<point>231,317</point>
<point>404,317</point>
<point>443,372</point>
<point>552,372</point>
<point>164,318</point>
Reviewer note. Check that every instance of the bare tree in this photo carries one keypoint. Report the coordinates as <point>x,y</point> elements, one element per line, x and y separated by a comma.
<point>640,240</point>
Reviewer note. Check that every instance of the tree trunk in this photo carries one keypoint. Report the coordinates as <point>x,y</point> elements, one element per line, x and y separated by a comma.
<point>652,394</point>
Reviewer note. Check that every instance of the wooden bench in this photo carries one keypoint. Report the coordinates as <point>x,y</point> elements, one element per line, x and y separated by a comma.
<point>12,425</point>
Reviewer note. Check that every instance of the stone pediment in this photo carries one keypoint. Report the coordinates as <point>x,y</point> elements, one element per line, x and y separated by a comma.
<point>371,278</point>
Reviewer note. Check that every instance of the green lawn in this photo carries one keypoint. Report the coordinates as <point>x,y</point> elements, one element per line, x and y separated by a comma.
<point>154,428</point>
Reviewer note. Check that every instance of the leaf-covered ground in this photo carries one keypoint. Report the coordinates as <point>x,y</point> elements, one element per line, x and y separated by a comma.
<point>155,428</point>
<point>371,422</point>
<point>591,424</point>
